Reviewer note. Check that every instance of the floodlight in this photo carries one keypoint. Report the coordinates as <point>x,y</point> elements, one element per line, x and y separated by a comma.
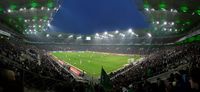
<point>165,23</point>
<point>9,10</point>
<point>32,8</point>
<point>147,9</point>
<point>59,35</point>
<point>88,38</point>
<point>175,11</point>
<point>96,34</point>
<point>48,24</point>
<point>71,36</point>
<point>21,9</point>
<point>78,38</point>
<point>164,29</point>
<point>105,33</point>
<point>157,22</point>
<point>152,9</point>
<point>149,34</point>
<point>121,34</point>
<point>47,35</point>
<point>42,8</point>
<point>116,32</point>
<point>172,23</point>
<point>111,35</point>
<point>130,30</point>
<point>171,10</point>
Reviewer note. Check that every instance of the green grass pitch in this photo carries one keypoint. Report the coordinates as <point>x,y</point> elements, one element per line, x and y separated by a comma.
<point>91,62</point>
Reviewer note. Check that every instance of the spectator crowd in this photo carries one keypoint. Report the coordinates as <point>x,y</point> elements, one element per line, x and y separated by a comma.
<point>25,67</point>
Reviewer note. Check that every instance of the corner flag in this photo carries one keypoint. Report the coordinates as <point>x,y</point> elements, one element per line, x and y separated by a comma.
<point>105,80</point>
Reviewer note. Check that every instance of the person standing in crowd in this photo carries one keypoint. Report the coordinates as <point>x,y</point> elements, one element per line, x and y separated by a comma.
<point>195,79</point>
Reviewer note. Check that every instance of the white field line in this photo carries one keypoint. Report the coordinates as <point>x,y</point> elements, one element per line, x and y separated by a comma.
<point>65,62</point>
<point>95,52</point>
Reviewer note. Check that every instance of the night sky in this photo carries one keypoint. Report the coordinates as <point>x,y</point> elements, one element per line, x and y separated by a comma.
<point>91,16</point>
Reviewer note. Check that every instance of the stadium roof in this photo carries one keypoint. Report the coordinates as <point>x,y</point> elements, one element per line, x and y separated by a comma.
<point>166,17</point>
<point>171,16</point>
<point>27,16</point>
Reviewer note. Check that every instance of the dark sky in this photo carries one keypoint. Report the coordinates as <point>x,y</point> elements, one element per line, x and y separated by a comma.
<point>91,16</point>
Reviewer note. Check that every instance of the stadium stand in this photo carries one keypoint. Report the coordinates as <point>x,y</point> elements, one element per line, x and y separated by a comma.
<point>168,47</point>
<point>33,68</point>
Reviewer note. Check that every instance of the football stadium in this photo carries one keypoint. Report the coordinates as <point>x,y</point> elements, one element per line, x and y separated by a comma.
<point>99,45</point>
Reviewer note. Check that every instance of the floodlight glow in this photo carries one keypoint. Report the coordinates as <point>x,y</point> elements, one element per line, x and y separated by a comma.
<point>130,30</point>
<point>163,9</point>
<point>30,30</point>
<point>25,20</point>
<point>121,34</point>
<point>116,32</point>
<point>48,9</point>
<point>172,23</point>
<point>105,33</point>
<point>170,29</point>
<point>97,37</point>
<point>78,38</point>
<point>47,35</point>
<point>165,23</point>
<point>164,29</point>
<point>157,22</point>
<point>149,34</point>
<point>132,33</point>
<point>147,9</point>
<point>9,10</point>
<point>48,24</point>
<point>175,11</point>
<point>40,26</point>
<point>176,30</point>
<point>42,8</point>
<point>96,34</point>
<point>32,8</point>
<point>111,35</point>
<point>59,35</point>
<point>171,10</point>
<point>152,9</point>
<point>55,8</point>
<point>88,38</point>
<point>71,36</point>
<point>21,9</point>
<point>193,13</point>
